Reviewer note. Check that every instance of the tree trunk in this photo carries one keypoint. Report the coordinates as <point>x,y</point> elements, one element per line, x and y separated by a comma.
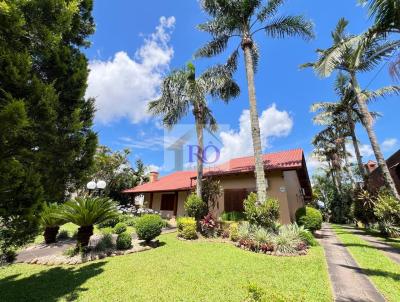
<point>83,236</point>
<point>368,125</point>
<point>254,122</point>
<point>200,144</point>
<point>50,234</point>
<point>356,147</point>
<point>348,167</point>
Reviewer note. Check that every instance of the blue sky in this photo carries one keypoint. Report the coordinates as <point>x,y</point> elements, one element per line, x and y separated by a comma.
<point>137,42</point>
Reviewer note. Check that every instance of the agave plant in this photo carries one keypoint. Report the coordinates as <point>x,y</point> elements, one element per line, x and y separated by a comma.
<point>50,220</point>
<point>86,212</point>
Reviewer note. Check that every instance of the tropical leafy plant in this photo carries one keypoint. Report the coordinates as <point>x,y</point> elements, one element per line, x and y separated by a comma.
<point>242,19</point>
<point>182,91</point>
<point>86,212</point>
<point>263,214</point>
<point>51,221</point>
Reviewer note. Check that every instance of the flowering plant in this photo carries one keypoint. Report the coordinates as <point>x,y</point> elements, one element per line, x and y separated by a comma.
<point>209,225</point>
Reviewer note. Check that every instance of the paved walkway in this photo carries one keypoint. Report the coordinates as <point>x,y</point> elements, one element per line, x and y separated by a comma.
<point>386,248</point>
<point>349,283</point>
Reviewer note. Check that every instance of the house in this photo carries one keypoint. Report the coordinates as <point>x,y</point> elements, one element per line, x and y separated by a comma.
<point>286,177</point>
<point>375,178</point>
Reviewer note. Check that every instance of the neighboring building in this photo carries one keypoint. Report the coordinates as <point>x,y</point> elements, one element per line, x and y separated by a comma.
<point>286,175</point>
<point>375,178</point>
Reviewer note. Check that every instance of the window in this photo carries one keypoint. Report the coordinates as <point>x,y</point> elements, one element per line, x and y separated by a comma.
<point>167,202</point>
<point>233,199</point>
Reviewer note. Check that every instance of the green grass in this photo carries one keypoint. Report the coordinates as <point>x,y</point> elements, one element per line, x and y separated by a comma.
<point>395,242</point>
<point>382,271</point>
<point>176,271</point>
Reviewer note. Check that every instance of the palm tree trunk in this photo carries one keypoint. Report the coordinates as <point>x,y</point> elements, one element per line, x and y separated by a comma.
<point>200,144</point>
<point>254,122</point>
<point>83,236</point>
<point>50,234</point>
<point>356,147</point>
<point>368,125</point>
<point>348,167</point>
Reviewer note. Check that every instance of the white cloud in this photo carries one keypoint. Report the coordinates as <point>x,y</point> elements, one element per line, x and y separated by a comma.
<point>123,86</point>
<point>273,123</point>
<point>389,144</point>
<point>366,150</point>
<point>153,168</point>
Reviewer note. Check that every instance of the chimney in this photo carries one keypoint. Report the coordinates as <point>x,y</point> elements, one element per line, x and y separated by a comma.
<point>153,176</point>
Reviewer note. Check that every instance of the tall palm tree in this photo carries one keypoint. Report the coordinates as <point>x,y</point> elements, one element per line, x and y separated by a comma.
<point>352,56</point>
<point>182,91</point>
<point>242,19</point>
<point>387,21</point>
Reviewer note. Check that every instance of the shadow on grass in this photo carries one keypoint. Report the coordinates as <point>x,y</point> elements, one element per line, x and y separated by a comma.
<point>49,285</point>
<point>374,272</point>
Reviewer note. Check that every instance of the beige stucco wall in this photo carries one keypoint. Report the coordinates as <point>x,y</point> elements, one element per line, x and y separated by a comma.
<point>295,197</point>
<point>282,185</point>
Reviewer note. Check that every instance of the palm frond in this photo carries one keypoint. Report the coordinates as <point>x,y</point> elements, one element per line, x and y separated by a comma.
<point>214,47</point>
<point>290,26</point>
<point>269,10</point>
<point>381,93</point>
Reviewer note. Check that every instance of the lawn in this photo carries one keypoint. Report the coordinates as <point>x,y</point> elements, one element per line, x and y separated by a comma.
<point>382,271</point>
<point>176,271</point>
<point>395,242</point>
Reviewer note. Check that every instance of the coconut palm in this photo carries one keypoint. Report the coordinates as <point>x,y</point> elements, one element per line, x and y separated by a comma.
<point>240,20</point>
<point>51,222</point>
<point>86,212</point>
<point>182,91</point>
<point>352,56</point>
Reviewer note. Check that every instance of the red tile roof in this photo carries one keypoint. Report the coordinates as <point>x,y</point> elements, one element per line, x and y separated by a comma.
<point>182,180</point>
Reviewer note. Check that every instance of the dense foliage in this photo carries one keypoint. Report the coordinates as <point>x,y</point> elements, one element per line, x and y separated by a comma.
<point>45,119</point>
<point>209,225</point>
<point>187,228</point>
<point>120,228</point>
<point>86,212</point>
<point>233,216</point>
<point>310,218</point>
<point>195,207</point>
<point>149,226</point>
<point>124,241</point>
<point>263,214</point>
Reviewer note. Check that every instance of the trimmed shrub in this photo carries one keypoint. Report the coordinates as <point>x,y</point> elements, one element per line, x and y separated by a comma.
<point>310,218</point>
<point>265,214</point>
<point>187,228</point>
<point>233,216</point>
<point>308,238</point>
<point>233,232</point>
<point>149,226</point>
<point>119,228</point>
<point>106,242</point>
<point>195,207</point>
<point>124,241</point>
<point>131,221</point>
<point>107,230</point>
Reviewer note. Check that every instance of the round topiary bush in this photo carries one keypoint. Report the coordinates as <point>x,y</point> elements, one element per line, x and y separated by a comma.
<point>195,207</point>
<point>119,228</point>
<point>149,226</point>
<point>124,241</point>
<point>309,217</point>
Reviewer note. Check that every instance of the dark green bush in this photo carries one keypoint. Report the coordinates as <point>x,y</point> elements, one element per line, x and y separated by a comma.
<point>265,214</point>
<point>308,238</point>
<point>233,216</point>
<point>124,241</point>
<point>149,226</point>
<point>310,218</point>
<point>119,228</point>
<point>195,207</point>
<point>187,228</point>
<point>106,242</point>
